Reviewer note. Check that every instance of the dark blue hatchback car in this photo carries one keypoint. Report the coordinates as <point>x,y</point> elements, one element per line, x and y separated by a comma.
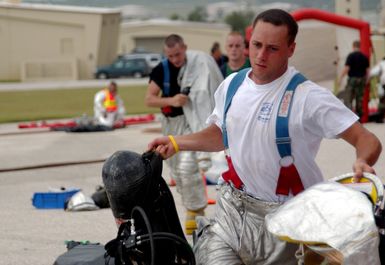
<point>124,67</point>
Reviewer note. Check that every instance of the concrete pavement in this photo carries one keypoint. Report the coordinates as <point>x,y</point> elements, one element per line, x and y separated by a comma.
<point>31,236</point>
<point>93,83</point>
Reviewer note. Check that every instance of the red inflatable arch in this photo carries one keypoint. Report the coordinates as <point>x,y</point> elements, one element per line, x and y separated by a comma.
<point>362,26</point>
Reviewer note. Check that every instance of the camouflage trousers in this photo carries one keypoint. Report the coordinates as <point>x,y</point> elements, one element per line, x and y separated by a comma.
<point>354,90</point>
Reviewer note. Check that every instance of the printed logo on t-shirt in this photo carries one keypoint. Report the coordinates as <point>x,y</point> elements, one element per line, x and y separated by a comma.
<point>285,104</point>
<point>265,112</point>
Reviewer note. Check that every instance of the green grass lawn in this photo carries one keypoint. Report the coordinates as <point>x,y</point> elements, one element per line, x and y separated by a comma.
<point>16,106</point>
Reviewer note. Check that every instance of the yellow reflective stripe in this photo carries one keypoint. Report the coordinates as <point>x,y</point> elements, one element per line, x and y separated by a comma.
<point>109,101</point>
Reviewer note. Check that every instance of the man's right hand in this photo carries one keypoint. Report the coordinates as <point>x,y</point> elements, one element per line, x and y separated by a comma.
<point>163,146</point>
<point>179,100</point>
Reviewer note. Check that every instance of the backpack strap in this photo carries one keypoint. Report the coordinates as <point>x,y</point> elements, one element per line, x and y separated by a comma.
<point>166,77</point>
<point>231,176</point>
<point>289,178</point>
<point>235,83</point>
<point>283,115</point>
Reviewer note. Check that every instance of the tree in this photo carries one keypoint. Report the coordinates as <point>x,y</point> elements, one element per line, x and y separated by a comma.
<point>175,16</point>
<point>198,14</point>
<point>239,20</point>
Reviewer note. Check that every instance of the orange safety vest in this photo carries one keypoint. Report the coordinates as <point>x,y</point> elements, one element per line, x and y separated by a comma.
<point>109,102</point>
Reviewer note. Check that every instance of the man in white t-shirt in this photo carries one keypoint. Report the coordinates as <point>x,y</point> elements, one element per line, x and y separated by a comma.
<point>238,235</point>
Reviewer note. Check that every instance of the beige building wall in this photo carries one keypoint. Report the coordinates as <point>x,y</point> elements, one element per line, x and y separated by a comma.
<point>378,39</point>
<point>150,34</point>
<point>378,42</point>
<point>315,53</point>
<point>350,8</point>
<point>45,42</point>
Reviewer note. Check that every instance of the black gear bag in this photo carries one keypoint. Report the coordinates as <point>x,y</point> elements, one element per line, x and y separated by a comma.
<point>138,193</point>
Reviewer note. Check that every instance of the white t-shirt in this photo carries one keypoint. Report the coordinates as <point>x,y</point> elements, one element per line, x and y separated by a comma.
<point>251,119</point>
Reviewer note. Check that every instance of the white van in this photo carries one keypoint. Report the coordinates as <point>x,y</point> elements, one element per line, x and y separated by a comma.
<point>152,59</point>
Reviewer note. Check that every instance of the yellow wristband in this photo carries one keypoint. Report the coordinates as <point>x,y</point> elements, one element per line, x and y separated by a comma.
<point>174,144</point>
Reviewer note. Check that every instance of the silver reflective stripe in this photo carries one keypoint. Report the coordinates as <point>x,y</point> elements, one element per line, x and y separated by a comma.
<point>238,234</point>
<point>184,167</point>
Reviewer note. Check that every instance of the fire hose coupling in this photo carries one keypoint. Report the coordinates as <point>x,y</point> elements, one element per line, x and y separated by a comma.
<point>132,227</point>
<point>139,238</point>
<point>130,242</point>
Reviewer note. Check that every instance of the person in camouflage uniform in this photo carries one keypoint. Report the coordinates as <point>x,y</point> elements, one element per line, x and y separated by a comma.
<point>357,69</point>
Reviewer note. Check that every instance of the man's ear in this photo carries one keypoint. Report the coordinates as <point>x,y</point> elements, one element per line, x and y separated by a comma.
<point>292,49</point>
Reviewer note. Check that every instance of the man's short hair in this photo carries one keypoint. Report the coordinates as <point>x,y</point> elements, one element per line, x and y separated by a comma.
<point>215,47</point>
<point>113,86</point>
<point>113,83</point>
<point>356,44</point>
<point>279,17</point>
<point>172,40</point>
<point>235,33</point>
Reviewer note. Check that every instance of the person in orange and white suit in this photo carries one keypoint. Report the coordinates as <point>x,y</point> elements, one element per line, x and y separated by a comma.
<point>108,106</point>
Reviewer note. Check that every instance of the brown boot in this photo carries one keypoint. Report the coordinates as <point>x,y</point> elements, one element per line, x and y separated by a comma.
<point>190,223</point>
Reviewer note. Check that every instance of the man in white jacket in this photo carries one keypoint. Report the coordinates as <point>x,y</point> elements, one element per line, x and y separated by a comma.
<point>108,106</point>
<point>183,86</point>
